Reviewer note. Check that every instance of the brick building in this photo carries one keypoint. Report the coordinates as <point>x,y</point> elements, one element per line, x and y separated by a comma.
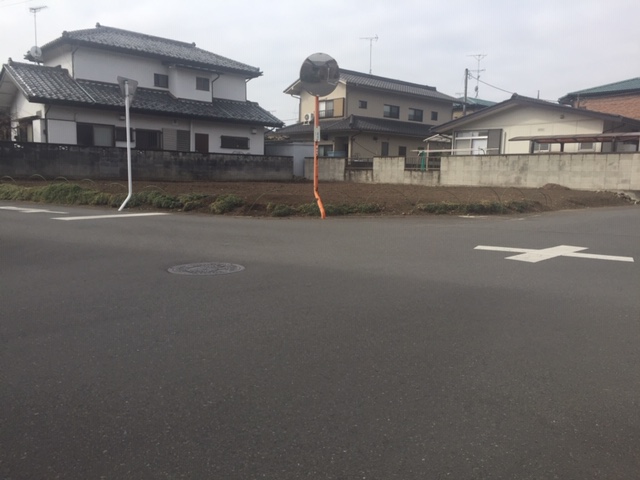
<point>619,98</point>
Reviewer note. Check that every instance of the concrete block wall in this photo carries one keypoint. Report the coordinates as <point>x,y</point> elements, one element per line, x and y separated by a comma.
<point>612,171</point>
<point>329,169</point>
<point>22,160</point>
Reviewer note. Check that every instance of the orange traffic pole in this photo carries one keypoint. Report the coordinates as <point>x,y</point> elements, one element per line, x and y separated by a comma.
<point>316,141</point>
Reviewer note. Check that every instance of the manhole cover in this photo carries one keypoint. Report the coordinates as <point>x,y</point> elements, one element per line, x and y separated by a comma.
<point>211,268</point>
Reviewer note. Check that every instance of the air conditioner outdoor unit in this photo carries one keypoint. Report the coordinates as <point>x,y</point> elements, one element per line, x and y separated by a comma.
<point>308,118</point>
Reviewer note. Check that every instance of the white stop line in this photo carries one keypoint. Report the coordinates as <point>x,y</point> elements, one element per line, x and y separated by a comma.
<point>533,256</point>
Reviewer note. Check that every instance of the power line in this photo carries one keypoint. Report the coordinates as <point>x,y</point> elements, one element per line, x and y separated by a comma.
<point>13,4</point>
<point>489,85</point>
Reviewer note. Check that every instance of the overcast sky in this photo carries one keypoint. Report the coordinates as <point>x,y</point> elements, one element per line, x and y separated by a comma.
<point>548,46</point>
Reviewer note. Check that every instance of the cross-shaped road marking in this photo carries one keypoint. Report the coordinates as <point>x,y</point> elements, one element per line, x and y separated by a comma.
<point>533,256</point>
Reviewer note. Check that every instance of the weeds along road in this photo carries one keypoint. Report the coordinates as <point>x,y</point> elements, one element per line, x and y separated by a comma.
<point>345,348</point>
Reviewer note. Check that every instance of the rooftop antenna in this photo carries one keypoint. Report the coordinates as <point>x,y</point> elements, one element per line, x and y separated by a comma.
<point>371,39</point>
<point>35,11</point>
<point>478,57</point>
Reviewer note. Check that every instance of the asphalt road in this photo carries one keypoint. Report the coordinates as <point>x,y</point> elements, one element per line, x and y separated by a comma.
<point>351,348</point>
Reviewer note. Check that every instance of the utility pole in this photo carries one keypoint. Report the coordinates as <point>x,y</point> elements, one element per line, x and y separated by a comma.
<point>466,83</point>
<point>478,57</point>
<point>35,11</point>
<point>371,39</point>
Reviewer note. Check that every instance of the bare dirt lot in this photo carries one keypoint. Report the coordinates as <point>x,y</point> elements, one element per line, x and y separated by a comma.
<point>260,198</point>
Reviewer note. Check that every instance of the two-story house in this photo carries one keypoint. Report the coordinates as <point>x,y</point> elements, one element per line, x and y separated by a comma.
<point>369,116</point>
<point>188,99</point>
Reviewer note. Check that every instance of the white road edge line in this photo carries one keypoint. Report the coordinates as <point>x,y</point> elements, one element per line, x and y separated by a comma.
<point>100,217</point>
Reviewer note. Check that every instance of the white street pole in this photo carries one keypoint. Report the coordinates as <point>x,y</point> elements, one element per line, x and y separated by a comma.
<point>126,114</point>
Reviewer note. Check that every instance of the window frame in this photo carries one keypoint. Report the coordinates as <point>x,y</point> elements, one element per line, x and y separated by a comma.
<point>147,134</point>
<point>323,111</point>
<point>434,116</point>
<point>391,111</point>
<point>416,115</point>
<point>230,142</point>
<point>362,104</point>
<point>91,128</point>
<point>203,84</point>
<point>120,134</point>
<point>160,80</point>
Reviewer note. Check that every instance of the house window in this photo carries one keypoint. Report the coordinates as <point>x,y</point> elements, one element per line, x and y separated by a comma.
<point>471,142</point>
<point>148,139</point>
<point>325,150</point>
<point>121,134</point>
<point>541,147</point>
<point>391,111</point>
<point>589,146</point>
<point>160,80</point>
<point>95,135</point>
<point>202,83</point>
<point>415,115</point>
<point>434,116</point>
<point>239,143</point>
<point>325,109</point>
<point>384,149</point>
<point>402,151</point>
<point>183,140</point>
<point>362,104</point>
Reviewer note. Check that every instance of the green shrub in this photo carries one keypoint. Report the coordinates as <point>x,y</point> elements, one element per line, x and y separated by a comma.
<point>226,203</point>
<point>193,201</point>
<point>280,210</point>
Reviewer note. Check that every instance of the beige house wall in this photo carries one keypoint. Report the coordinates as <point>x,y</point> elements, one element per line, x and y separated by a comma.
<point>531,121</point>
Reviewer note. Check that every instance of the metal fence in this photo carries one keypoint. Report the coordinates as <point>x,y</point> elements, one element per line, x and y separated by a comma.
<point>422,163</point>
<point>359,164</point>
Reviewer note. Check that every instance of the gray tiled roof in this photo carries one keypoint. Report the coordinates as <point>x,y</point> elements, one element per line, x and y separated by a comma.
<point>522,101</point>
<point>53,85</point>
<point>147,45</point>
<point>357,79</point>
<point>364,124</point>
<point>373,81</point>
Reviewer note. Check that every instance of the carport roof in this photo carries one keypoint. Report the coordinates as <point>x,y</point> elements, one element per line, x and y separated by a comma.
<point>579,138</point>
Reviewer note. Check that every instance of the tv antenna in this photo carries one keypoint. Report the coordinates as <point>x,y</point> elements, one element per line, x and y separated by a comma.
<point>371,39</point>
<point>478,57</point>
<point>35,11</point>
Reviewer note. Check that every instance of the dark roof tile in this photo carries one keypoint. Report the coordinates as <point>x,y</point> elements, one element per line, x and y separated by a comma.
<point>357,123</point>
<point>352,78</point>
<point>186,54</point>
<point>54,85</point>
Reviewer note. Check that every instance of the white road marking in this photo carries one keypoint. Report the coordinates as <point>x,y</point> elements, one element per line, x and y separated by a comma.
<point>531,255</point>
<point>31,210</point>
<point>100,217</point>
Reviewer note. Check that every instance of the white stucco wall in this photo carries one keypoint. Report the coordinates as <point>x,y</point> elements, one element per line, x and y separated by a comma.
<point>62,121</point>
<point>99,65</point>
<point>299,151</point>
<point>531,121</point>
